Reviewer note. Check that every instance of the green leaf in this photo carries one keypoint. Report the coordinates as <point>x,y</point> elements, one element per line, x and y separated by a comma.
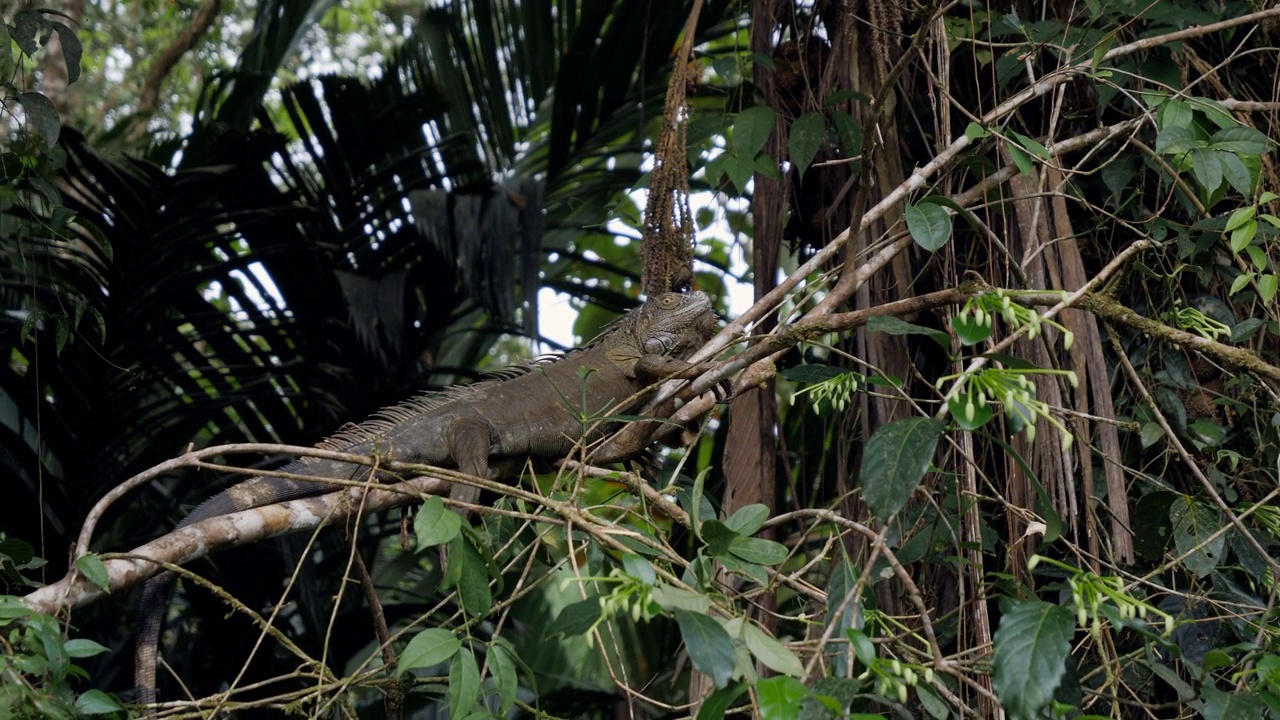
<point>71,49</point>
<point>969,331</point>
<point>930,225</point>
<point>1267,287</point>
<point>502,669</point>
<point>779,698</point>
<point>1021,159</point>
<point>758,550</point>
<point>429,647</point>
<point>1031,648</point>
<point>1239,139</point>
<point>1193,525</point>
<point>94,570</point>
<point>1177,140</point>
<point>96,702</point>
<point>773,654</point>
<point>718,702</point>
<point>812,373</point>
<point>1241,282</point>
<point>639,568</point>
<point>464,683</point>
<point>42,117</point>
<point>1175,113</point>
<point>697,499</point>
<point>83,647</point>
<point>762,60</point>
<point>472,578</point>
<point>61,332</point>
<point>968,410</point>
<point>709,645</point>
<point>740,170</point>
<point>1206,433</point>
<point>751,130</point>
<point>1245,329</point>
<point>890,325</point>
<point>6,52</point>
<point>672,598</point>
<point>1258,257</point>
<point>850,133</point>
<point>933,704</point>
<point>12,607</point>
<point>101,321</point>
<point>717,536</point>
<point>766,166</point>
<point>1219,705</point>
<point>26,23</point>
<point>1216,658</point>
<point>748,519</point>
<point>1031,145</point>
<point>841,96</point>
<point>805,139</point>
<point>863,648</point>
<point>1243,235</point>
<point>1206,168</point>
<point>894,462</point>
<point>435,524</point>
<point>576,619</point>
<point>1239,217</point>
<point>1214,111</point>
<point>974,131</point>
<point>1234,170</point>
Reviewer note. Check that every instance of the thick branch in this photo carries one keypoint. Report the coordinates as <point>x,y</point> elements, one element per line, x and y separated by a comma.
<point>238,528</point>
<point>167,60</point>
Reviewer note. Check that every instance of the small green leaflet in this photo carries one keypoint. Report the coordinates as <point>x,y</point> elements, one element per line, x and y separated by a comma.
<point>895,461</point>
<point>435,524</point>
<point>751,130</point>
<point>429,647</point>
<point>709,645</point>
<point>1031,648</point>
<point>929,224</point>
<point>805,140</point>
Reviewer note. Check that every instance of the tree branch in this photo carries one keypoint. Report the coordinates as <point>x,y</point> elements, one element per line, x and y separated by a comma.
<point>167,60</point>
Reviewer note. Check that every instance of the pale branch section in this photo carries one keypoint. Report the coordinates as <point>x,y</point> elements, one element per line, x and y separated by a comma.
<point>195,541</point>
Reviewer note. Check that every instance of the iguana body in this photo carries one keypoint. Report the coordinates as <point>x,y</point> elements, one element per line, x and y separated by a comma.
<point>482,429</point>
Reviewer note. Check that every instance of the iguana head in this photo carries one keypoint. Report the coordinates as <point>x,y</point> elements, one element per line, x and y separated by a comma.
<point>674,323</point>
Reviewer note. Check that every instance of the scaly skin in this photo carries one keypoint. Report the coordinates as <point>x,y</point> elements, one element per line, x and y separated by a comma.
<point>487,429</point>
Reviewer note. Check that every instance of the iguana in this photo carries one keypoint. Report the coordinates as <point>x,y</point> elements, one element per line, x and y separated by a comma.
<point>484,429</point>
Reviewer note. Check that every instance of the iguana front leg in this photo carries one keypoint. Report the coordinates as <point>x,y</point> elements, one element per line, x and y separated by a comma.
<point>652,368</point>
<point>469,441</point>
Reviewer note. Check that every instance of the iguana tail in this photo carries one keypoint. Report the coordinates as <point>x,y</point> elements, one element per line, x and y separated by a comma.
<point>252,493</point>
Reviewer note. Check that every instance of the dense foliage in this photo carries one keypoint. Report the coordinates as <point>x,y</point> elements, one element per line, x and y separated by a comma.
<point>1005,430</point>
